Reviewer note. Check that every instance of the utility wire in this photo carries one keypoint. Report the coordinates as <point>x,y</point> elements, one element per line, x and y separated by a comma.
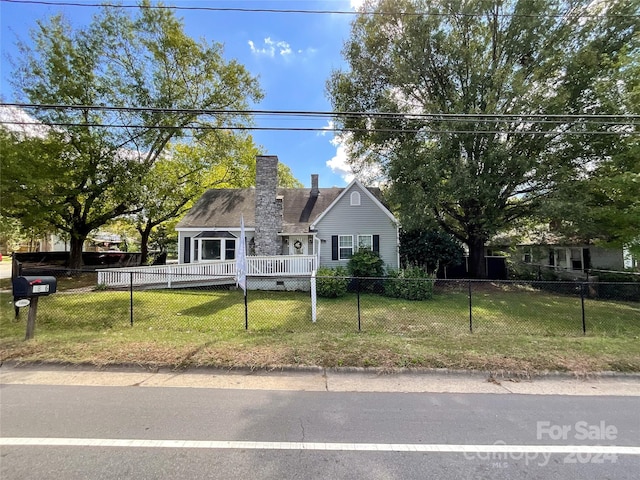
<point>590,119</point>
<point>318,129</point>
<point>314,12</point>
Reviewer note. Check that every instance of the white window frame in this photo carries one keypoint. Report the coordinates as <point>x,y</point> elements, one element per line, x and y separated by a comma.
<point>201,249</point>
<point>368,236</point>
<point>223,251</point>
<point>341,247</point>
<point>355,199</point>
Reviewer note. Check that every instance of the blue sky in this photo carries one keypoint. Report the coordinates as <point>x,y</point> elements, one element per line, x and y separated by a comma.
<point>292,54</point>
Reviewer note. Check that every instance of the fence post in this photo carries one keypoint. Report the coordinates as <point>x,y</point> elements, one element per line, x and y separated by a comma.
<point>246,306</point>
<point>131,297</point>
<point>470,310</point>
<point>358,295</point>
<point>314,297</point>
<point>584,324</point>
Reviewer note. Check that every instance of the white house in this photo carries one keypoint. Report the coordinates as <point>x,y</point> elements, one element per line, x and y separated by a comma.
<point>289,231</point>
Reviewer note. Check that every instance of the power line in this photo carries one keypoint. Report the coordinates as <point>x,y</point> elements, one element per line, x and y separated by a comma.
<point>593,119</point>
<point>316,129</point>
<point>313,12</point>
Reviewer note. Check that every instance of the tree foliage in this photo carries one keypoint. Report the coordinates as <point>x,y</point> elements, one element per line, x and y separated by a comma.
<point>604,205</point>
<point>219,159</point>
<point>93,166</point>
<point>508,60</point>
<point>429,249</point>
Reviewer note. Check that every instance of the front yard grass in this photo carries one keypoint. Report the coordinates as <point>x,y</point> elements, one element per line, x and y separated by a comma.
<point>517,331</point>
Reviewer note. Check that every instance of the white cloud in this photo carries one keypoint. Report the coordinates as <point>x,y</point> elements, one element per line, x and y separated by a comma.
<point>270,48</point>
<point>339,164</point>
<point>16,120</point>
<point>327,128</point>
<point>356,4</point>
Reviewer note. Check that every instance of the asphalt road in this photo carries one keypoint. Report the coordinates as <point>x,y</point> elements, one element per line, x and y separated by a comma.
<point>118,432</point>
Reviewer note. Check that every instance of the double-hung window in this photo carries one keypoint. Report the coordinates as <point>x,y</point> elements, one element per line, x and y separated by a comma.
<point>365,242</point>
<point>345,249</point>
<point>344,246</point>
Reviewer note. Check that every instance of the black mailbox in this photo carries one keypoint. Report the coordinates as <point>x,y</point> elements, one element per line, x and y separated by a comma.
<point>33,286</point>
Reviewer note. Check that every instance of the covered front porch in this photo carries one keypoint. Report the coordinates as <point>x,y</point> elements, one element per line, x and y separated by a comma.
<point>216,272</point>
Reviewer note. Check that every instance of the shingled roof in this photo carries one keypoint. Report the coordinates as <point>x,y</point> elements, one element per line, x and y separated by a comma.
<point>222,208</point>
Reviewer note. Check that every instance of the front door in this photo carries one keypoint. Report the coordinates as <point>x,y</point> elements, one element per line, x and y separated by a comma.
<point>298,245</point>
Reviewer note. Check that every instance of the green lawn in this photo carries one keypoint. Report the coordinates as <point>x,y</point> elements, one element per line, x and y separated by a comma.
<point>513,330</point>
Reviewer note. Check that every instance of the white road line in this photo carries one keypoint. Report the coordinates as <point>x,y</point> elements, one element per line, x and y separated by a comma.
<point>344,447</point>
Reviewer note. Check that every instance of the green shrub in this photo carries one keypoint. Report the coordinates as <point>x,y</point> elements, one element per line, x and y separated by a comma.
<point>617,286</point>
<point>367,268</point>
<point>410,283</point>
<point>527,271</point>
<point>331,282</point>
<point>366,263</point>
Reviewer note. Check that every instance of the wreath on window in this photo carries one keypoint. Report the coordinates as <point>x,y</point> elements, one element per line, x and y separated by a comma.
<point>297,244</point>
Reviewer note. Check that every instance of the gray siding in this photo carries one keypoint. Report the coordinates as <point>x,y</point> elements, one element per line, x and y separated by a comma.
<point>607,258</point>
<point>365,219</point>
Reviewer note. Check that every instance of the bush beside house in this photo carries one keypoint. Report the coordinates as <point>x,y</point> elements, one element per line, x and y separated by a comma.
<point>410,284</point>
<point>332,282</point>
<point>365,273</point>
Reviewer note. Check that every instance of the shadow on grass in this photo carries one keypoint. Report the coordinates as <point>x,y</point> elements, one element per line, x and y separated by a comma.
<point>87,311</point>
<point>495,312</point>
<point>222,310</point>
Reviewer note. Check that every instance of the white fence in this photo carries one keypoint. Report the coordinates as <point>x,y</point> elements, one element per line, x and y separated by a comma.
<point>213,272</point>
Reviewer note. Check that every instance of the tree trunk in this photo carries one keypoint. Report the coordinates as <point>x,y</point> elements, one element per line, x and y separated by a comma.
<point>75,251</point>
<point>477,263</point>
<point>144,244</point>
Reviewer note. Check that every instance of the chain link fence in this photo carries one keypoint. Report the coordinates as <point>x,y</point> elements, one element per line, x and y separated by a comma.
<point>396,306</point>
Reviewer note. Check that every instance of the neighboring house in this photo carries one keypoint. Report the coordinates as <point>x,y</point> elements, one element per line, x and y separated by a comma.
<point>545,249</point>
<point>567,256</point>
<point>98,242</point>
<point>318,226</point>
<point>574,257</point>
<point>103,242</point>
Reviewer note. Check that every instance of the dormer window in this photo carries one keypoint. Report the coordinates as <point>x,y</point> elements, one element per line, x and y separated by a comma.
<point>355,199</point>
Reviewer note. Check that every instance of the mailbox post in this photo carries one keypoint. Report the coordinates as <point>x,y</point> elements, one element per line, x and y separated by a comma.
<point>27,291</point>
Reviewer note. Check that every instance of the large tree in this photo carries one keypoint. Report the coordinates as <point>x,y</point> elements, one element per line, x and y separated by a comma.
<point>92,166</point>
<point>603,205</point>
<point>219,159</point>
<point>474,145</point>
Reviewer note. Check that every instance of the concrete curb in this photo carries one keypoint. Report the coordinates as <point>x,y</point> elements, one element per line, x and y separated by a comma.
<point>247,370</point>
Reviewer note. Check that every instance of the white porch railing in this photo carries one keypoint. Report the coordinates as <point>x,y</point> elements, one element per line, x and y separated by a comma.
<point>277,266</point>
<point>282,265</point>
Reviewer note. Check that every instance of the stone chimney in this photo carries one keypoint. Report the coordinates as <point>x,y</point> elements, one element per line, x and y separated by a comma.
<point>314,185</point>
<point>268,211</point>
